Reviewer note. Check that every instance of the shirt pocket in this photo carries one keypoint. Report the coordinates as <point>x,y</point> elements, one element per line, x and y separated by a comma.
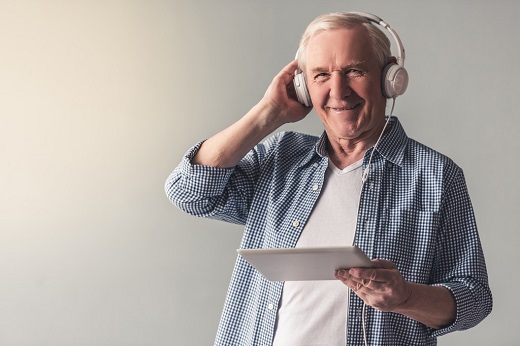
<point>409,238</point>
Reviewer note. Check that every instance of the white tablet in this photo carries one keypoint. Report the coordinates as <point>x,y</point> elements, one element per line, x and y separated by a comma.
<point>300,264</point>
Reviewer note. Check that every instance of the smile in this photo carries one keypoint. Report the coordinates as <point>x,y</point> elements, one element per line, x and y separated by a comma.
<point>340,109</point>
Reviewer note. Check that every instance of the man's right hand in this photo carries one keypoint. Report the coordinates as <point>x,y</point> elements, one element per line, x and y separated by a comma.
<point>278,107</point>
<point>281,97</point>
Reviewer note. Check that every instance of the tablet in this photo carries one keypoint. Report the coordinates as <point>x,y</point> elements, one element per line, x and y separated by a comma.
<point>301,264</point>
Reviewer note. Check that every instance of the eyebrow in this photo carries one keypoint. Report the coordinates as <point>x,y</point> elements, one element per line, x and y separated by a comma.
<point>355,65</point>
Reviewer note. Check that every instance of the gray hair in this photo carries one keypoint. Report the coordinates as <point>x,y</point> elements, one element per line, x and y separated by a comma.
<point>345,20</point>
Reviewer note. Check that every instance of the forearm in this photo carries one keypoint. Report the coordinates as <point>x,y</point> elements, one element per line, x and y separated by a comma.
<point>228,147</point>
<point>433,306</point>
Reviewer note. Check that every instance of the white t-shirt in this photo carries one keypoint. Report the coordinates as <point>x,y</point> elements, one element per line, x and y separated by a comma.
<point>314,312</point>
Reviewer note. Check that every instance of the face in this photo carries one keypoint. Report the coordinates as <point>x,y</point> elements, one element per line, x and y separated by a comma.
<point>344,82</point>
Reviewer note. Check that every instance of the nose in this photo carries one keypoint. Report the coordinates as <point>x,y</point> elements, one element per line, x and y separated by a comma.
<point>339,86</point>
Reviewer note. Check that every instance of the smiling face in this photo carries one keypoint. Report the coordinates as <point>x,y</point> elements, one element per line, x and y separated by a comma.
<point>344,82</point>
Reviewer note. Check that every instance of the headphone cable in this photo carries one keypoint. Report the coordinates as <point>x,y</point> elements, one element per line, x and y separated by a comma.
<point>364,179</point>
<point>367,170</point>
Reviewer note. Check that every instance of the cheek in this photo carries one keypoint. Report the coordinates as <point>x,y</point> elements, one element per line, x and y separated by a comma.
<point>374,90</point>
<point>318,93</point>
<point>373,94</point>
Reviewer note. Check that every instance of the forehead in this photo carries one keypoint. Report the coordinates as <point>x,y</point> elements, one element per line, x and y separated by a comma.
<point>338,48</point>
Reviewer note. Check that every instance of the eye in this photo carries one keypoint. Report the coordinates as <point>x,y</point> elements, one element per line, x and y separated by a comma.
<point>321,77</point>
<point>355,73</point>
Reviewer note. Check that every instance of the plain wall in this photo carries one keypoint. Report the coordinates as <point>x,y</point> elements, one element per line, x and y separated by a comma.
<point>100,99</point>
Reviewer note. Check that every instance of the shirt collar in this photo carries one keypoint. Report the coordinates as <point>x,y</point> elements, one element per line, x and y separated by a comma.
<point>321,146</point>
<point>391,146</point>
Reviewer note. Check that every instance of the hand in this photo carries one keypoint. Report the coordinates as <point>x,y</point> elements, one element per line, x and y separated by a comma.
<point>382,287</point>
<point>280,97</point>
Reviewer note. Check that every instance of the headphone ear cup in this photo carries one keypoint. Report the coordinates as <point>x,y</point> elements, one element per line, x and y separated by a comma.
<point>394,81</point>
<point>300,86</point>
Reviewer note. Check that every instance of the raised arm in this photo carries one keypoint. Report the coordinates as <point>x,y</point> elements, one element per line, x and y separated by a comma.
<point>277,107</point>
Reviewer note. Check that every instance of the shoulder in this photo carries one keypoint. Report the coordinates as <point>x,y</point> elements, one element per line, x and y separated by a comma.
<point>291,138</point>
<point>289,143</point>
<point>427,160</point>
<point>283,151</point>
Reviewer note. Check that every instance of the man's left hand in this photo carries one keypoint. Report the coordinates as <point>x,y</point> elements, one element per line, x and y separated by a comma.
<point>382,287</point>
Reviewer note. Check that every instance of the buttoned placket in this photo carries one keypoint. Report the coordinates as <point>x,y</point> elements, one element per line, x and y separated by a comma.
<point>315,188</point>
<point>364,237</point>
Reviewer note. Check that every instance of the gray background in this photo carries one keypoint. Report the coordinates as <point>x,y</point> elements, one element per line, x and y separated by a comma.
<point>99,100</point>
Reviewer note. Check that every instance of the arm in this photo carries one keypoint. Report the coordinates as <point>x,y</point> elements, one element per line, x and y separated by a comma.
<point>209,182</point>
<point>276,108</point>
<point>433,306</point>
<point>384,289</point>
<point>457,279</point>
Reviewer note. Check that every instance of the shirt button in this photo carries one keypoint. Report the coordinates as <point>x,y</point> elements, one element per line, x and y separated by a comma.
<point>315,187</point>
<point>296,223</point>
<point>389,165</point>
<point>315,165</point>
<point>270,306</point>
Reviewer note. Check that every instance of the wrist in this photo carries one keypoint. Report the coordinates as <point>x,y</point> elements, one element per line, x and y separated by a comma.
<point>408,301</point>
<point>433,306</point>
<point>265,118</point>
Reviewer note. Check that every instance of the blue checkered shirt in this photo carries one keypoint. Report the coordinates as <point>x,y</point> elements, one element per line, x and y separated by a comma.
<point>414,210</point>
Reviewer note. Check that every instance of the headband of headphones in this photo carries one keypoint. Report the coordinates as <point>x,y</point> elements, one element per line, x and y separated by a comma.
<point>377,20</point>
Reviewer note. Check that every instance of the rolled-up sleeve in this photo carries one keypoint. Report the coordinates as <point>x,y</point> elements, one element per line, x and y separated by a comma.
<point>461,265</point>
<point>219,193</point>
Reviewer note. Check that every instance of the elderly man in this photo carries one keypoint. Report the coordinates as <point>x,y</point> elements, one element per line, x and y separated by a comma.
<point>363,182</point>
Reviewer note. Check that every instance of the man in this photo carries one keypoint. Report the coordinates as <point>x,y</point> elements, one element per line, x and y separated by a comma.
<point>402,203</point>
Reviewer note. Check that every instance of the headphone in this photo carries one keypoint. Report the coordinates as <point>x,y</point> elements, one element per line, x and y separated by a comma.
<point>394,79</point>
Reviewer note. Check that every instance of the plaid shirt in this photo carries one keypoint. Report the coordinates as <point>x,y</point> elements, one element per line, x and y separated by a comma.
<point>414,210</point>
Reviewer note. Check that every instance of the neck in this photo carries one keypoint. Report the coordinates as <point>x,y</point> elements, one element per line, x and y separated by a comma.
<point>344,152</point>
<point>343,155</point>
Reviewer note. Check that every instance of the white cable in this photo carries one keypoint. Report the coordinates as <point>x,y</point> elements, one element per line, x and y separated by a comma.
<point>367,170</point>
<point>364,179</point>
<point>364,324</point>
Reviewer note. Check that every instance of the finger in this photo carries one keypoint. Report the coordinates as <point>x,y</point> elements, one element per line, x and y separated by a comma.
<point>373,286</point>
<point>344,277</point>
<point>352,283</point>
<point>287,73</point>
<point>374,275</point>
<point>366,288</point>
<point>355,284</point>
<point>381,271</point>
<point>384,264</point>
<point>363,273</point>
<point>291,67</point>
<point>363,282</point>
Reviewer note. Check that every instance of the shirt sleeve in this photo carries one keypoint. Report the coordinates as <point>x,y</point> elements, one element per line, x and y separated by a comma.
<point>220,193</point>
<point>460,265</point>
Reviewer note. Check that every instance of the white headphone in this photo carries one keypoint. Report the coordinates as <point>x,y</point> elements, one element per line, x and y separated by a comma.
<point>394,77</point>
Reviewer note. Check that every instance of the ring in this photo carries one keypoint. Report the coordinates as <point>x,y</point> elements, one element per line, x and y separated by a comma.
<point>365,284</point>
